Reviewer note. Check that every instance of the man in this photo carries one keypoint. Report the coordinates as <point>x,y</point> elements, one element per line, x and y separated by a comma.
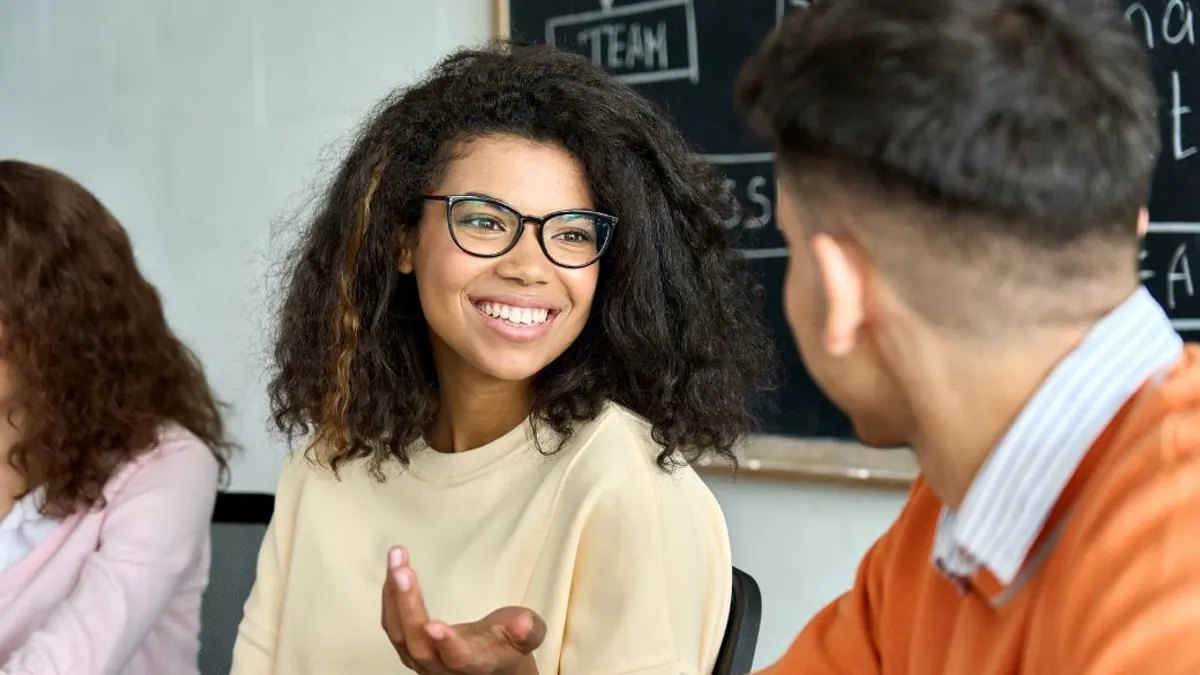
<point>961,185</point>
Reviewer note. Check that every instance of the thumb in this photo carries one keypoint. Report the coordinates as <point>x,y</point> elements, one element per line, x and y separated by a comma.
<point>523,628</point>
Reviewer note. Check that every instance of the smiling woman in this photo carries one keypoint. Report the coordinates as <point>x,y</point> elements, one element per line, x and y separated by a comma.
<point>485,303</point>
<point>511,325</point>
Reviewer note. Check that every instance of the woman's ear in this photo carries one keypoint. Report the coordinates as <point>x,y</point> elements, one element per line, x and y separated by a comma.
<point>404,260</point>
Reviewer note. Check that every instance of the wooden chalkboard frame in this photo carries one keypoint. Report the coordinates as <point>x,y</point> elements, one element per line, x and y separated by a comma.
<point>824,460</point>
<point>791,458</point>
<point>500,20</point>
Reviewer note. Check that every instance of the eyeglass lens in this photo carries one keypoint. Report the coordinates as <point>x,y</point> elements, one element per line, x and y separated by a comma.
<point>487,228</point>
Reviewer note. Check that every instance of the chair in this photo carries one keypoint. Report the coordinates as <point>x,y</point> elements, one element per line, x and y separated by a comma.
<point>239,521</point>
<point>736,656</point>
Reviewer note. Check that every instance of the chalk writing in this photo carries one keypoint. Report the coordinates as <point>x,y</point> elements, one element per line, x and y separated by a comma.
<point>1174,27</point>
<point>750,178</point>
<point>1165,263</point>
<point>633,46</point>
<point>639,43</point>
<point>753,191</point>
<point>1178,110</point>
<point>1178,271</point>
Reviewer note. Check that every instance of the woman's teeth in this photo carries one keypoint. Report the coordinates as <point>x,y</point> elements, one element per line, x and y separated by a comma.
<point>521,316</point>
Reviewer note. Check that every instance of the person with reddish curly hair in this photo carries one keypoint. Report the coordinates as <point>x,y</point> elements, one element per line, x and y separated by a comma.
<point>111,447</point>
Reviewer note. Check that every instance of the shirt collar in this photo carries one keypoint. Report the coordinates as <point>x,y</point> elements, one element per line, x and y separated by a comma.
<point>1009,501</point>
<point>25,510</point>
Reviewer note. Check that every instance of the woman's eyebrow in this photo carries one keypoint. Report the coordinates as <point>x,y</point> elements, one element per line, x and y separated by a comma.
<point>484,195</point>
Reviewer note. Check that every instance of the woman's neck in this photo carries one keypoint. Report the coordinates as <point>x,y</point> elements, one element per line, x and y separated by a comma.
<point>12,483</point>
<point>476,411</point>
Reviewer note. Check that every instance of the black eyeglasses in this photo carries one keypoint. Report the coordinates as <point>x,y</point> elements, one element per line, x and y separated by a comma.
<point>489,228</point>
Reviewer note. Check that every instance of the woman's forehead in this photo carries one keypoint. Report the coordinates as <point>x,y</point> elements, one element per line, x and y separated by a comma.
<point>532,177</point>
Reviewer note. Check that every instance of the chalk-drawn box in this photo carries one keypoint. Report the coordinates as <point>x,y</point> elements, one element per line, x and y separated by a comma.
<point>782,7</point>
<point>640,43</point>
<point>1170,269</point>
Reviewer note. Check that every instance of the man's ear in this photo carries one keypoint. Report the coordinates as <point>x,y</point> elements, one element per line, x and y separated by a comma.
<point>842,276</point>
<point>1143,222</point>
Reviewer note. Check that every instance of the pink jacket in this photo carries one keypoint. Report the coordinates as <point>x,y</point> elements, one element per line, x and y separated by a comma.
<point>116,591</point>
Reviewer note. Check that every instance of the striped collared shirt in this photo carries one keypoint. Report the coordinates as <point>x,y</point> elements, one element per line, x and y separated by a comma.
<point>1011,498</point>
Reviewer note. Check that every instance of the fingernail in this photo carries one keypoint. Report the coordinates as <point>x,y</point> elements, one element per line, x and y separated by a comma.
<point>435,631</point>
<point>395,557</point>
<point>402,580</point>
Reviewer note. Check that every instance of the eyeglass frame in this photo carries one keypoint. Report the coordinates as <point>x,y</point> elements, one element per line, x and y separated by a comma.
<point>451,200</point>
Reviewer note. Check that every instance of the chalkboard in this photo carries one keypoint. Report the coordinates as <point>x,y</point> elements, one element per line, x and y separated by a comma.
<point>1168,30</point>
<point>685,55</point>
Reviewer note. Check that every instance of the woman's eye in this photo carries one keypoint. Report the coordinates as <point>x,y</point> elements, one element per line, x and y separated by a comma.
<point>483,223</point>
<point>575,236</point>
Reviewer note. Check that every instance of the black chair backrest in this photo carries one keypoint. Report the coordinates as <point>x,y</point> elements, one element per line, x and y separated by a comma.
<point>238,524</point>
<point>741,632</point>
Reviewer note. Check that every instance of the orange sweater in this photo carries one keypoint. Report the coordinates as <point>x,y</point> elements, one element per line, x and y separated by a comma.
<point>1112,586</point>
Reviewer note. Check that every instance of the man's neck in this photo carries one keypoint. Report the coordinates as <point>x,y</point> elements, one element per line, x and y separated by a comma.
<point>966,394</point>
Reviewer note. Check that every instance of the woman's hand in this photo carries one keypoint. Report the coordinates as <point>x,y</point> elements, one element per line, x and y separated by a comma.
<point>500,643</point>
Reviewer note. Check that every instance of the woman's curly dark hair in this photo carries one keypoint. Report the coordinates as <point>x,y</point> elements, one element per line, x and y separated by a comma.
<point>676,332</point>
<point>96,369</point>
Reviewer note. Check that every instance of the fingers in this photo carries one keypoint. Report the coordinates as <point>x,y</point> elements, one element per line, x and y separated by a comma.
<point>391,620</point>
<point>523,628</point>
<point>536,635</point>
<point>408,615</point>
<point>505,638</point>
<point>452,648</point>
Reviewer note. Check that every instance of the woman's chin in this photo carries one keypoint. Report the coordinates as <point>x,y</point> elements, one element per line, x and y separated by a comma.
<point>515,368</point>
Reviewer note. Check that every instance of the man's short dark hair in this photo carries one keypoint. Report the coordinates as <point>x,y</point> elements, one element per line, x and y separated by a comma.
<point>1031,121</point>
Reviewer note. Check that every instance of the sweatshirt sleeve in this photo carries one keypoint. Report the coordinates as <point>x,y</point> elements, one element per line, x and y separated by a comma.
<point>254,650</point>
<point>845,637</point>
<point>840,640</point>
<point>652,581</point>
<point>155,531</point>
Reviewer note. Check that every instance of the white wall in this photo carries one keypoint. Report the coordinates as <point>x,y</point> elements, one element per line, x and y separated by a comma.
<point>201,122</point>
<point>801,543</point>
